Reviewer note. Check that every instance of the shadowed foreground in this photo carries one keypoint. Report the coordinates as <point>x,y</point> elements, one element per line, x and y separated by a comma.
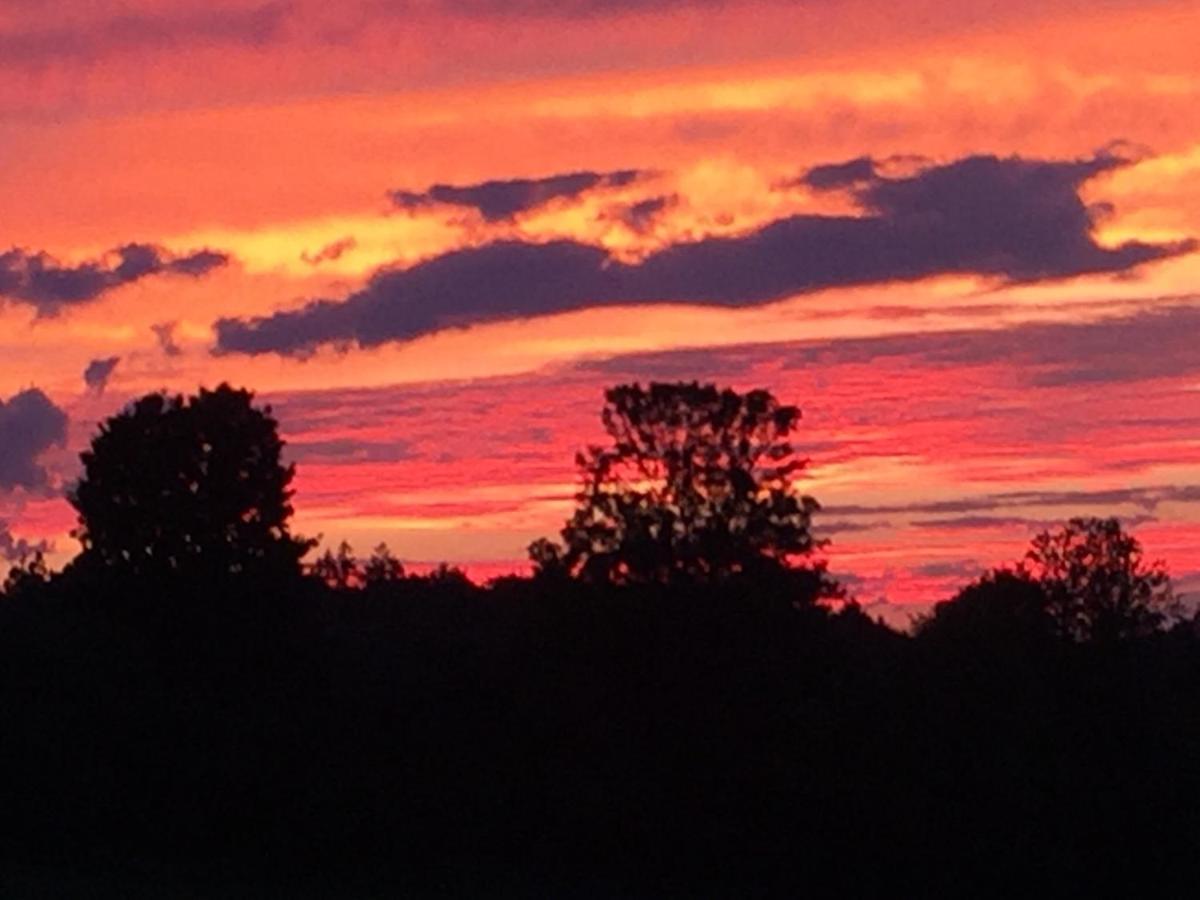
<point>558,740</point>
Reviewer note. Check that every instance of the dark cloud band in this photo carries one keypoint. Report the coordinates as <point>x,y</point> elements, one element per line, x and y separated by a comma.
<point>1007,218</point>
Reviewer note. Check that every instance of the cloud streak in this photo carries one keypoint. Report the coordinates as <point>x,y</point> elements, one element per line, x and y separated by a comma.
<point>187,24</point>
<point>499,201</point>
<point>143,31</point>
<point>1011,219</point>
<point>973,509</point>
<point>330,252</point>
<point>40,281</point>
<point>1154,344</point>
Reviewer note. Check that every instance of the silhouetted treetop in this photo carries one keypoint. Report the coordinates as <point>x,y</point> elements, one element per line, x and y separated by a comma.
<point>189,486</point>
<point>343,570</point>
<point>1003,607</point>
<point>28,576</point>
<point>382,567</point>
<point>1097,583</point>
<point>697,483</point>
<point>340,570</point>
<point>1086,581</point>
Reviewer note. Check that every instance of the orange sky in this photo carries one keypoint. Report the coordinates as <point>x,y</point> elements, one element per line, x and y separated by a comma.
<point>957,395</point>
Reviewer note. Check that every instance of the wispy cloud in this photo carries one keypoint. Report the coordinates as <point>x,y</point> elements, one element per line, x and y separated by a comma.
<point>171,28</point>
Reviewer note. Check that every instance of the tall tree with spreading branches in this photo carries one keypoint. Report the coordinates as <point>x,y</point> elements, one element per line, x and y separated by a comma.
<point>696,484</point>
<point>1097,583</point>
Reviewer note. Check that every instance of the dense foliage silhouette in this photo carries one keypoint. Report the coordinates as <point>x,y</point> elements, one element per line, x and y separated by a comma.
<point>1097,584</point>
<point>696,485</point>
<point>372,733</point>
<point>191,487</point>
<point>1087,581</point>
<point>343,570</point>
<point>1005,607</point>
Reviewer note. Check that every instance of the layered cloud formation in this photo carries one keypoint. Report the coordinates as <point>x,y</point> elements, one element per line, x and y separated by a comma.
<point>1011,219</point>
<point>49,286</point>
<point>140,27</point>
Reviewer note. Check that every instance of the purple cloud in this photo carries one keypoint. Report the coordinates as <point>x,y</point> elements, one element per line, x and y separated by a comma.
<point>30,424</point>
<point>834,176</point>
<point>164,333</point>
<point>641,216</point>
<point>98,371</point>
<point>1012,219</point>
<point>330,252</point>
<point>42,282</point>
<point>499,201</point>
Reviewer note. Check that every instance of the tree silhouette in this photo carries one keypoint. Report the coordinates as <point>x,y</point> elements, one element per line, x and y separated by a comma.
<point>382,567</point>
<point>188,487</point>
<point>340,570</point>
<point>697,484</point>
<point>1003,607</point>
<point>1097,584</point>
<point>27,577</point>
<point>343,570</point>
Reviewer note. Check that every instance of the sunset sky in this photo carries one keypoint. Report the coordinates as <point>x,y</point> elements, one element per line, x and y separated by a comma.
<point>960,236</point>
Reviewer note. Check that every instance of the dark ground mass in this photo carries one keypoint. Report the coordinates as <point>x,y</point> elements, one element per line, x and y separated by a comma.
<point>430,738</point>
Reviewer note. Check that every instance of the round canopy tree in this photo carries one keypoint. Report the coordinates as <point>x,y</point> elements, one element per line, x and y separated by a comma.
<point>696,484</point>
<point>1002,608</point>
<point>174,486</point>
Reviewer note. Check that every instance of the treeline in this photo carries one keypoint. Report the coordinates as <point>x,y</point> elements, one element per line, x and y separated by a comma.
<point>679,701</point>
